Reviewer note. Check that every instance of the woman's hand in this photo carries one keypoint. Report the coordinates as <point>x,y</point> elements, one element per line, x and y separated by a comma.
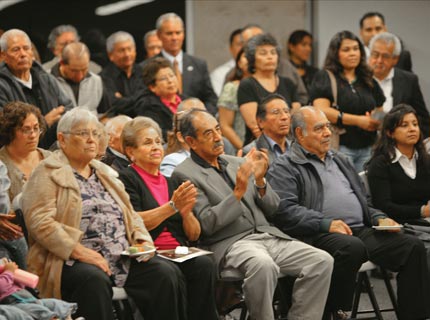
<point>8,229</point>
<point>184,197</point>
<point>89,256</point>
<point>367,123</point>
<point>10,266</point>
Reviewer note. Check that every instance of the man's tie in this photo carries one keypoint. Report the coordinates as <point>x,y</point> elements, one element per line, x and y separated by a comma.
<point>178,74</point>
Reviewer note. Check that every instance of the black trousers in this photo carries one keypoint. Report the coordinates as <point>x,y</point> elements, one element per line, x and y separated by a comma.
<point>160,289</point>
<point>398,252</point>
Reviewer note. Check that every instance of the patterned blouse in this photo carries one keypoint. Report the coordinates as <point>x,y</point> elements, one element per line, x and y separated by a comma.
<point>103,226</point>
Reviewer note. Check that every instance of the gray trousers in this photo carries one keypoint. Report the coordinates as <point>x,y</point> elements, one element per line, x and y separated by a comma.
<point>263,257</point>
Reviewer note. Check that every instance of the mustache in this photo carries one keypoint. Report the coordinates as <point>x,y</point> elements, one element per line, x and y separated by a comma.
<point>218,144</point>
<point>326,140</point>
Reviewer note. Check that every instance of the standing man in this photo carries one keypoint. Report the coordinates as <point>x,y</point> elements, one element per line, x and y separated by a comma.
<point>233,204</point>
<point>323,203</point>
<point>59,37</point>
<point>122,77</point>
<point>273,118</point>
<point>23,79</point>
<point>152,44</point>
<point>399,86</point>
<point>220,73</point>
<point>373,23</point>
<point>83,87</point>
<point>192,72</point>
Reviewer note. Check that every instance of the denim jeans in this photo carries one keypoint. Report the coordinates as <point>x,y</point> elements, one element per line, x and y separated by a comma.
<point>358,157</point>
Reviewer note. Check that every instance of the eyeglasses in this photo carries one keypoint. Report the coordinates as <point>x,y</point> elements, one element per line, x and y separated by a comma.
<point>278,112</point>
<point>384,56</point>
<point>85,134</point>
<point>29,131</point>
<point>167,77</point>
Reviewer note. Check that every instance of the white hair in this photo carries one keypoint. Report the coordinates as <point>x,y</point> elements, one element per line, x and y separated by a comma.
<point>74,117</point>
<point>120,36</point>
<point>115,122</point>
<point>12,33</point>
<point>165,17</point>
<point>388,39</point>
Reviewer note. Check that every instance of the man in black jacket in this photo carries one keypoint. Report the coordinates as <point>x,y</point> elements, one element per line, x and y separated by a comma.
<point>23,79</point>
<point>324,204</point>
<point>399,86</point>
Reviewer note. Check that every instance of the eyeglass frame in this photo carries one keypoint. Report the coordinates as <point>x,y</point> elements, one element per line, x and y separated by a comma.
<point>85,134</point>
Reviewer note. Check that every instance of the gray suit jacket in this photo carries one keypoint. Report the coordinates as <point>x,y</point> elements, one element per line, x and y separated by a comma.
<point>223,219</point>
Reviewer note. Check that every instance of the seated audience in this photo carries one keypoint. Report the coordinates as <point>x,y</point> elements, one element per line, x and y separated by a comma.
<point>80,220</point>
<point>14,293</point>
<point>233,205</point>
<point>273,118</point>
<point>83,87</point>
<point>115,156</point>
<point>399,170</point>
<point>152,44</point>
<point>232,124</point>
<point>220,73</point>
<point>22,126</point>
<point>167,213</point>
<point>160,101</point>
<point>59,37</point>
<point>177,149</point>
<point>23,79</point>
<point>358,95</point>
<point>299,51</point>
<point>12,242</point>
<point>122,77</point>
<point>324,204</point>
<point>262,52</point>
<point>399,86</point>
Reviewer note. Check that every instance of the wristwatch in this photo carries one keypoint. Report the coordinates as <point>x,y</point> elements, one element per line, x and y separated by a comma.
<point>260,187</point>
<point>172,205</point>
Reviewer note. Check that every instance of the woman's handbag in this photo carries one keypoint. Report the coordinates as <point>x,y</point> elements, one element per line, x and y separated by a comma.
<point>336,131</point>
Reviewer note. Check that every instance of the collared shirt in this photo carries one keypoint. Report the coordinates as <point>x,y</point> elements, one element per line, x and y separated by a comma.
<point>222,171</point>
<point>178,58</point>
<point>275,147</point>
<point>340,201</point>
<point>28,84</point>
<point>118,154</point>
<point>387,87</point>
<point>173,106</point>
<point>408,166</point>
<point>75,86</point>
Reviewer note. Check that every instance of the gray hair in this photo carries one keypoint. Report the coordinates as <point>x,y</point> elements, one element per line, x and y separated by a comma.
<point>58,31</point>
<point>147,35</point>
<point>120,36</point>
<point>388,39</point>
<point>190,103</point>
<point>74,117</point>
<point>131,130</point>
<point>12,33</point>
<point>165,17</point>
<point>298,119</point>
<point>113,123</point>
<point>74,49</point>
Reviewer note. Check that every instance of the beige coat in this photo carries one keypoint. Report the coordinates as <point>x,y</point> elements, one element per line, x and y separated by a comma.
<point>52,206</point>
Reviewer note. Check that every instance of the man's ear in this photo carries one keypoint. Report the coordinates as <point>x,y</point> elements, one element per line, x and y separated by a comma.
<point>299,134</point>
<point>180,137</point>
<point>190,141</point>
<point>260,123</point>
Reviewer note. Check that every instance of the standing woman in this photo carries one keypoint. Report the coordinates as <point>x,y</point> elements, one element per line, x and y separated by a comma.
<point>399,170</point>
<point>167,214</point>
<point>262,52</point>
<point>299,51</point>
<point>358,95</point>
<point>231,121</point>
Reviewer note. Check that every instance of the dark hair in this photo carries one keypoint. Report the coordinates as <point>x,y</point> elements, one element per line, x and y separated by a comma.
<point>332,62</point>
<point>237,73</point>
<point>151,68</point>
<point>234,34</point>
<point>262,106</point>
<point>186,126</point>
<point>257,41</point>
<point>369,15</point>
<point>386,144</point>
<point>12,117</point>
<point>173,144</point>
<point>296,37</point>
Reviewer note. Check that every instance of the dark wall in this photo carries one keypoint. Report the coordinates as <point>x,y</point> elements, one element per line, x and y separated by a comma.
<point>38,17</point>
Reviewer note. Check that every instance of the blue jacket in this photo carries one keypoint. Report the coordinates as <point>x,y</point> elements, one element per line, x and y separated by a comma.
<point>295,179</point>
